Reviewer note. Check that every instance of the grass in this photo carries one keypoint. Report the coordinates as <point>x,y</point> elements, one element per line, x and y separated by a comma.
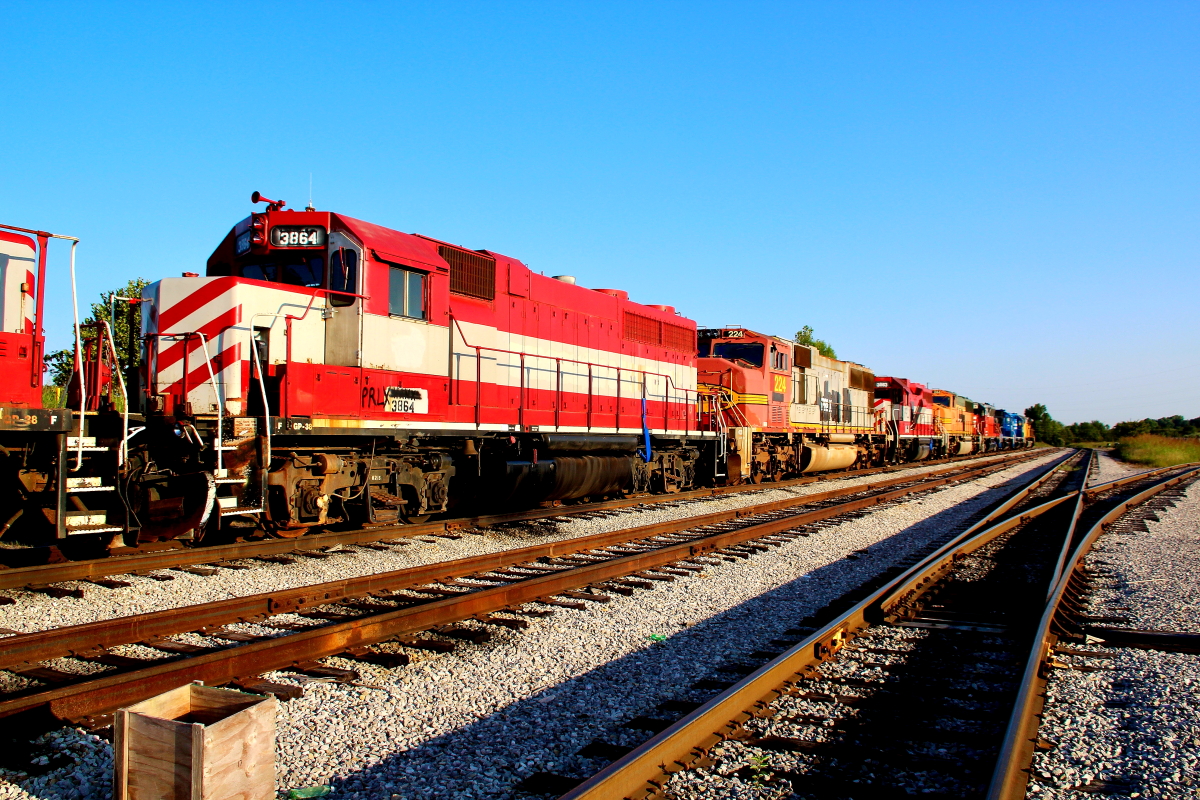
<point>1158,451</point>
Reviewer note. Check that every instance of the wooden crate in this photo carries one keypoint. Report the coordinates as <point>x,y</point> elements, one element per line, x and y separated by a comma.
<point>195,743</point>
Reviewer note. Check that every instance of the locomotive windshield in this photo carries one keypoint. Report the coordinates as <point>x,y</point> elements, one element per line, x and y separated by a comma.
<point>294,269</point>
<point>749,352</point>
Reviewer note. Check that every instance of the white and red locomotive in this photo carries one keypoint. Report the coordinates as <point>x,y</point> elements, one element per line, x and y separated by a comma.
<point>327,369</point>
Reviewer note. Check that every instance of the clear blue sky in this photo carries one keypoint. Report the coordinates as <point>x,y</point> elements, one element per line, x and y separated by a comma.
<point>1000,199</point>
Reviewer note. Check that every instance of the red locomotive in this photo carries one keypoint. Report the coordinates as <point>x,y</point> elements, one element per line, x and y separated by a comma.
<point>326,370</point>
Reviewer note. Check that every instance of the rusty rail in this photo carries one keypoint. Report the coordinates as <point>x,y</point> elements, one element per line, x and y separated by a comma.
<point>90,698</point>
<point>644,771</point>
<point>41,574</point>
<point>1011,777</point>
<point>1094,491</point>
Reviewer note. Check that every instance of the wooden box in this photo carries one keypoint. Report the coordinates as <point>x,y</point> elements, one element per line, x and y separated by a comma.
<point>195,743</point>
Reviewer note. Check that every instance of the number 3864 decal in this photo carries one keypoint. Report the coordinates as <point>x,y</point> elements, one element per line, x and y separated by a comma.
<point>298,236</point>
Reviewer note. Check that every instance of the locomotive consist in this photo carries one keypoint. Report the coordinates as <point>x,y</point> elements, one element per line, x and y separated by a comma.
<point>788,410</point>
<point>325,370</point>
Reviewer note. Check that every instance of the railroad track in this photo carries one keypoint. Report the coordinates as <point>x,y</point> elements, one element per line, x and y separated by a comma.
<point>925,683</point>
<point>417,607</point>
<point>42,576</point>
<point>1063,628</point>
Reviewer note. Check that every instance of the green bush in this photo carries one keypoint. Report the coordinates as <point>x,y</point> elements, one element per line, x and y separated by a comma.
<point>53,397</point>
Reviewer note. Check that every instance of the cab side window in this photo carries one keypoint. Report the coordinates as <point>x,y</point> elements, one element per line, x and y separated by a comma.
<point>406,293</point>
<point>343,276</point>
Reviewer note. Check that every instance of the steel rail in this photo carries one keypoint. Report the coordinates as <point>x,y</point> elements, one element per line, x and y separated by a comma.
<point>1011,777</point>
<point>1069,539</point>
<point>93,697</point>
<point>42,574</point>
<point>644,771</point>
<point>1094,491</point>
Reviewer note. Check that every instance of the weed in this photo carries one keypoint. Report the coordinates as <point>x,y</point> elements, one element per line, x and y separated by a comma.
<point>759,771</point>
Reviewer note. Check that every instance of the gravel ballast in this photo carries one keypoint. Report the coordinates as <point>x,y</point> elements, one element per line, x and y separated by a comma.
<point>1129,730</point>
<point>1132,729</point>
<point>475,722</point>
<point>1111,469</point>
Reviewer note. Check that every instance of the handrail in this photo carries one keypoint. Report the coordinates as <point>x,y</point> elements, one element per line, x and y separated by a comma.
<point>668,380</point>
<point>123,453</point>
<point>221,411</point>
<point>212,378</point>
<point>78,362</point>
<point>262,387</point>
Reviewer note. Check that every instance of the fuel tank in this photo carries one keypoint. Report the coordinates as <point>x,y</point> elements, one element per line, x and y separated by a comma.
<point>818,458</point>
<point>561,478</point>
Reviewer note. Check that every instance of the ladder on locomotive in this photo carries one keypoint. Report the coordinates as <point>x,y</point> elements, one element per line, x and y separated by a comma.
<point>222,480</point>
<point>85,504</point>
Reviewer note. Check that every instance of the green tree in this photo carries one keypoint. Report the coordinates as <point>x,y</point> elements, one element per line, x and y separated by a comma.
<point>1094,431</point>
<point>1175,426</point>
<point>1134,428</point>
<point>61,363</point>
<point>1045,427</point>
<point>805,336</point>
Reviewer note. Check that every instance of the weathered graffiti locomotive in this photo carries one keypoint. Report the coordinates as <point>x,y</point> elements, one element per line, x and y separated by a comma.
<point>325,370</point>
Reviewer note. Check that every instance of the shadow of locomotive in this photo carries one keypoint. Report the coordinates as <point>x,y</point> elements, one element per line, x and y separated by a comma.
<point>544,732</point>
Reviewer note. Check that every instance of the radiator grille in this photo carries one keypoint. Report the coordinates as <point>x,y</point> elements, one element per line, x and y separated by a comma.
<point>642,329</point>
<point>471,274</point>
<point>639,328</point>
<point>677,337</point>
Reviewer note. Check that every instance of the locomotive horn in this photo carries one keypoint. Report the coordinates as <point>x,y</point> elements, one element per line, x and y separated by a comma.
<point>272,205</point>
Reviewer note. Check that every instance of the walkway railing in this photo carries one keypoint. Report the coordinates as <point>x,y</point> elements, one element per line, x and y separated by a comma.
<point>672,393</point>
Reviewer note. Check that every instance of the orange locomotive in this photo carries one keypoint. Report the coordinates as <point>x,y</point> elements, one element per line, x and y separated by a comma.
<point>788,409</point>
